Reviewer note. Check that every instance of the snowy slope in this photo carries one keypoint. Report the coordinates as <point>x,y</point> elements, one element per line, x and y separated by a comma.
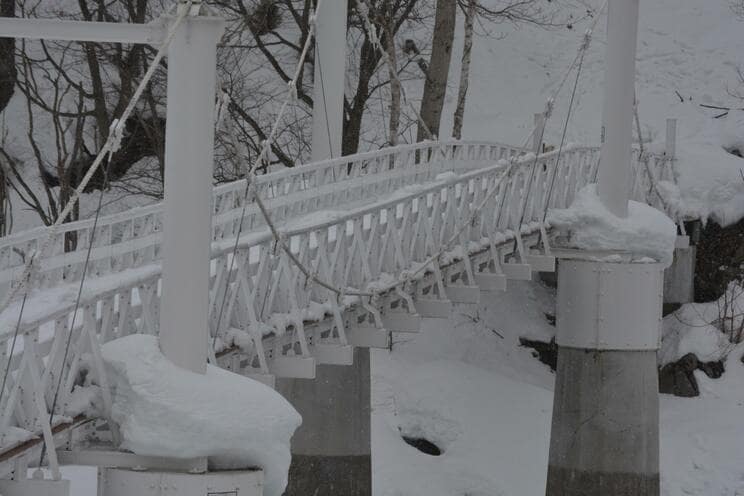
<point>487,403</point>
<point>685,45</point>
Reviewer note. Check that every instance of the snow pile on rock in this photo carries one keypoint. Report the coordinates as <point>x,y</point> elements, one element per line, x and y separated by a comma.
<point>163,410</point>
<point>698,328</point>
<point>646,232</point>
<point>710,185</point>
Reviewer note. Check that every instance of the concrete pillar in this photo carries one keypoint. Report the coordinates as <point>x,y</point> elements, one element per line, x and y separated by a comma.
<point>187,204</point>
<point>331,451</point>
<point>329,82</point>
<point>679,278</point>
<point>605,431</point>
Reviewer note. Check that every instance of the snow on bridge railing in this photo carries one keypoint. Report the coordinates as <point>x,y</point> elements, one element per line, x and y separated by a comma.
<point>132,238</point>
<point>274,320</point>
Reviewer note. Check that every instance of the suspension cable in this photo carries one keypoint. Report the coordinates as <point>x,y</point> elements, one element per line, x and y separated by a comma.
<point>250,169</point>
<point>86,263</point>
<point>13,346</point>
<point>112,144</point>
<point>279,238</point>
<point>565,129</point>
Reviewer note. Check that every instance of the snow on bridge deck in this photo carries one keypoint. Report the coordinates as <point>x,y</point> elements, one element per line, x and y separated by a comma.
<point>363,221</point>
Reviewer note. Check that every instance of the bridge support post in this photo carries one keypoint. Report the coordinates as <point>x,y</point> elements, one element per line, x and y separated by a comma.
<point>187,205</point>
<point>331,451</point>
<point>605,430</point>
<point>329,82</point>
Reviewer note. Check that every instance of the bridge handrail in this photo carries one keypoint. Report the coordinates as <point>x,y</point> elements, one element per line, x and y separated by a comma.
<point>133,235</point>
<point>119,304</point>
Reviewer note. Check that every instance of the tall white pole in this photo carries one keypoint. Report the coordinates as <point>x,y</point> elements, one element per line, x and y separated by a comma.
<point>617,134</point>
<point>187,206</point>
<point>329,82</point>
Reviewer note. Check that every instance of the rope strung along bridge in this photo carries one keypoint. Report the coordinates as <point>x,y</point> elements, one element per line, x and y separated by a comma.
<point>358,222</point>
<point>306,264</point>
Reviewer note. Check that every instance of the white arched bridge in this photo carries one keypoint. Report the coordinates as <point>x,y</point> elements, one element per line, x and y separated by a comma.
<point>405,231</point>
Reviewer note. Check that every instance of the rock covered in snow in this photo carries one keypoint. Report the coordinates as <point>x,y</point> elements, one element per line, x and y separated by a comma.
<point>163,410</point>
<point>707,330</point>
<point>646,232</point>
<point>732,132</point>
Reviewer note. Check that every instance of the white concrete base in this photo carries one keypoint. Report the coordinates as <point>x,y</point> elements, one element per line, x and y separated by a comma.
<point>123,482</point>
<point>35,487</point>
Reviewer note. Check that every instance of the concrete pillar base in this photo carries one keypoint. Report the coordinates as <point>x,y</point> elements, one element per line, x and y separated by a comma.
<point>565,482</point>
<point>605,437</point>
<point>331,451</point>
<point>330,475</point>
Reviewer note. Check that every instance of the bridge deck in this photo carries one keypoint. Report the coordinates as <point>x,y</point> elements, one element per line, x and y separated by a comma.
<point>375,232</point>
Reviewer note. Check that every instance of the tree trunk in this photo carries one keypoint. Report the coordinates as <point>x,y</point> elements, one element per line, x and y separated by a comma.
<point>7,58</point>
<point>435,87</point>
<point>464,69</point>
<point>394,82</point>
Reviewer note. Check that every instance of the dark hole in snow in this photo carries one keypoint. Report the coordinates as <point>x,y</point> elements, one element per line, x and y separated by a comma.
<point>547,353</point>
<point>423,445</point>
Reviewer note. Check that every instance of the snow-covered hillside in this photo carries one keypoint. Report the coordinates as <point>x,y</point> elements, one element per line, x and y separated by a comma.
<point>466,385</point>
<point>686,49</point>
<point>687,46</point>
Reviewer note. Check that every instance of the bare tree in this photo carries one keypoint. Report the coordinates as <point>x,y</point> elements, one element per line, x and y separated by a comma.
<point>517,12</point>
<point>7,86</point>
<point>464,68</point>
<point>435,87</point>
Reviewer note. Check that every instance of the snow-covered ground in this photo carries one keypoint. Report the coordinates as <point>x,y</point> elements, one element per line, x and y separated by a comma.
<point>467,385</point>
<point>685,46</point>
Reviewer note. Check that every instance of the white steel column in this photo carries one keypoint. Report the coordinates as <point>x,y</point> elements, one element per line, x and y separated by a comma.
<point>329,82</point>
<point>187,221</point>
<point>617,135</point>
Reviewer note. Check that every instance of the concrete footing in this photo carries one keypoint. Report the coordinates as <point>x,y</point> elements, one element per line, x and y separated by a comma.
<point>331,451</point>
<point>605,436</point>
<point>679,277</point>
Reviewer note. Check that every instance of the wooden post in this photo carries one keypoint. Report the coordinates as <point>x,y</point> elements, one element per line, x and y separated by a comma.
<point>537,137</point>
<point>670,149</point>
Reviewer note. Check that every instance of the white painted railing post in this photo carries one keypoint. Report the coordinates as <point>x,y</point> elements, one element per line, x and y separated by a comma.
<point>670,149</point>
<point>187,206</point>
<point>329,82</point>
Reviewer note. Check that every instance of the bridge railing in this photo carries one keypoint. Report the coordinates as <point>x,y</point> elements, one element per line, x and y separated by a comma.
<point>266,307</point>
<point>132,238</point>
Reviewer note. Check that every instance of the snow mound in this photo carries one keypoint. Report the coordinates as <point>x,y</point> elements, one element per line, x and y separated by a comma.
<point>709,330</point>
<point>163,410</point>
<point>646,232</point>
<point>710,182</point>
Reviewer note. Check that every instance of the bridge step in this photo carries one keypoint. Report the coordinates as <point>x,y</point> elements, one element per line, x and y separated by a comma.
<point>267,379</point>
<point>368,337</point>
<point>517,272</point>
<point>541,263</point>
<point>463,294</point>
<point>491,282</point>
<point>293,367</point>
<point>402,322</point>
<point>333,354</point>
<point>433,308</point>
